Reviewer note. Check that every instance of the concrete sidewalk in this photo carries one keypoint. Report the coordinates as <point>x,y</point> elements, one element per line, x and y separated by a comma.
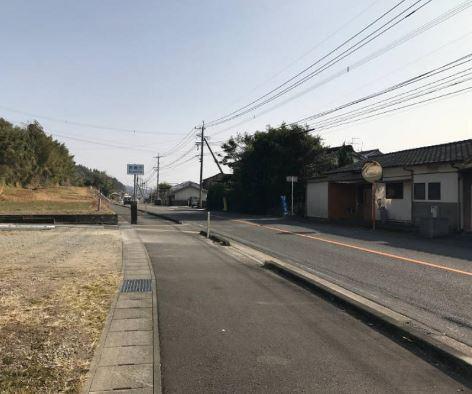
<point>228,325</point>
<point>127,358</point>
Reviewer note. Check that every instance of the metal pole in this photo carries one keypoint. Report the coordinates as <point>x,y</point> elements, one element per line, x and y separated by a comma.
<point>292,196</point>
<point>200,203</point>
<point>134,188</point>
<point>208,225</point>
<point>157,188</point>
<point>214,157</point>
<point>373,205</point>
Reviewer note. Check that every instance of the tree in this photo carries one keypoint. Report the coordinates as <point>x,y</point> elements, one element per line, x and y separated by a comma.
<point>99,179</point>
<point>262,161</point>
<point>29,157</point>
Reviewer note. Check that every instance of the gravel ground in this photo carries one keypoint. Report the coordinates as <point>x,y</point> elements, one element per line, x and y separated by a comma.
<point>56,287</point>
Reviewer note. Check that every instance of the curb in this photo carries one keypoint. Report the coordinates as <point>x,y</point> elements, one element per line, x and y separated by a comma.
<point>161,216</point>
<point>100,346</point>
<point>456,355</point>
<point>155,320</point>
<point>216,237</point>
<point>113,367</point>
<point>398,324</point>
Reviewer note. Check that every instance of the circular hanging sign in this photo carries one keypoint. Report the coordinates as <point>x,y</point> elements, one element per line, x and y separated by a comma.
<point>372,171</point>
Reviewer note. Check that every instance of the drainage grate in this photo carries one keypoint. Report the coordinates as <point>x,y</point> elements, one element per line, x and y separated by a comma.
<point>136,285</point>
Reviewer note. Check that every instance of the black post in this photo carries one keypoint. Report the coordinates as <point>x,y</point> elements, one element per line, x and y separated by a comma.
<point>134,212</point>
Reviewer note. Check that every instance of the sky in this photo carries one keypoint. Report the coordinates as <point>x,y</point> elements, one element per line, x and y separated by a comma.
<point>122,81</point>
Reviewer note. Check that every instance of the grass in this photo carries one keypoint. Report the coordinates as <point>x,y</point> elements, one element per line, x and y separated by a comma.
<point>51,200</point>
<point>46,351</point>
<point>56,288</point>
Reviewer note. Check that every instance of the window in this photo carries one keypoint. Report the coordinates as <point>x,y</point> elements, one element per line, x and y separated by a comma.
<point>434,191</point>
<point>394,190</point>
<point>419,191</point>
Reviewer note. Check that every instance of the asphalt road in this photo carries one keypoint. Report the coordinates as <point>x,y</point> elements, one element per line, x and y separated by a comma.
<point>228,325</point>
<point>427,280</point>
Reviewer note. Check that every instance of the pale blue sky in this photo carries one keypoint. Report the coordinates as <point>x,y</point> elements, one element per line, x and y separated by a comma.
<point>164,66</point>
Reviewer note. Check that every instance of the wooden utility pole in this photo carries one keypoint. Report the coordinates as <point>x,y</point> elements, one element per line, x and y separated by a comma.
<point>158,157</point>
<point>214,157</point>
<point>202,139</point>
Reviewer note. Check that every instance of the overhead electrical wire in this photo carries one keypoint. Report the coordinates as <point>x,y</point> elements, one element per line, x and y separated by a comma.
<point>317,45</point>
<point>293,82</point>
<point>445,95</point>
<point>180,164</point>
<point>179,158</point>
<point>445,67</point>
<point>440,19</point>
<point>428,74</point>
<point>87,125</point>
<point>102,143</point>
<point>445,83</point>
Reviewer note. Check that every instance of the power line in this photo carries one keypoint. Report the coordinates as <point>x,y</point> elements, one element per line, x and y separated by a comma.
<point>416,92</point>
<point>448,66</point>
<point>181,164</point>
<point>455,63</point>
<point>87,125</point>
<point>102,143</point>
<point>445,95</point>
<point>268,97</point>
<point>318,44</point>
<point>179,158</point>
<point>440,19</point>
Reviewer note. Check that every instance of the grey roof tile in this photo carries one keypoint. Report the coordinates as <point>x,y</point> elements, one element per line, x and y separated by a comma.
<point>458,151</point>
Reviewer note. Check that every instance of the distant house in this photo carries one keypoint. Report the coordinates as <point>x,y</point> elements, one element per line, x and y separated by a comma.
<point>217,178</point>
<point>431,181</point>
<point>186,193</point>
<point>369,153</point>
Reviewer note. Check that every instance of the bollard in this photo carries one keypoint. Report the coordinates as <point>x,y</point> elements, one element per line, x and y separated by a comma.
<point>208,225</point>
<point>134,212</point>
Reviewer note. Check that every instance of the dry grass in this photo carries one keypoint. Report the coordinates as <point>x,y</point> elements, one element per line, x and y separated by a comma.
<point>55,291</point>
<point>61,199</point>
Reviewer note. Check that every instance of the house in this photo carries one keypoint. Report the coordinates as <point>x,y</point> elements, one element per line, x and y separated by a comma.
<point>369,153</point>
<point>186,193</point>
<point>211,180</point>
<point>431,181</point>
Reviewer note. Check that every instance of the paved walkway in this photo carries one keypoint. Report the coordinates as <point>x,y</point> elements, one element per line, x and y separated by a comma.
<point>128,351</point>
<point>426,280</point>
<point>228,325</point>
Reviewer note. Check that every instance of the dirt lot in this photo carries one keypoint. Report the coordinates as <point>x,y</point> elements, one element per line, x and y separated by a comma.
<point>59,200</point>
<point>56,287</point>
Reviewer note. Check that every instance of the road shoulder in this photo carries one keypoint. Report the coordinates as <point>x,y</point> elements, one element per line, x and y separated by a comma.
<point>128,356</point>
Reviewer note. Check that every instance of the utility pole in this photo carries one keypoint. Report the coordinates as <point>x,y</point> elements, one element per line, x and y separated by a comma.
<point>202,139</point>
<point>158,157</point>
<point>214,157</point>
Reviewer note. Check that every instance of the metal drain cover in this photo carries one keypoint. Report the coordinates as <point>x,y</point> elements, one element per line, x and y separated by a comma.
<point>136,285</point>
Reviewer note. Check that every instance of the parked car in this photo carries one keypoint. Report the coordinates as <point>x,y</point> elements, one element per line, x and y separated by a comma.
<point>127,200</point>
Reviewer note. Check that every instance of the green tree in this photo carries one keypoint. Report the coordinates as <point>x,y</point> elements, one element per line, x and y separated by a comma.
<point>29,157</point>
<point>262,161</point>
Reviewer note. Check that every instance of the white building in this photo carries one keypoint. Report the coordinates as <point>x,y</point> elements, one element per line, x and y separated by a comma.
<point>416,184</point>
<point>186,193</point>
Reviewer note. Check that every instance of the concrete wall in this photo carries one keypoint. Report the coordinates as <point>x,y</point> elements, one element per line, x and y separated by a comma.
<point>398,209</point>
<point>445,210</point>
<point>317,200</point>
<point>448,205</point>
<point>467,201</point>
<point>449,185</point>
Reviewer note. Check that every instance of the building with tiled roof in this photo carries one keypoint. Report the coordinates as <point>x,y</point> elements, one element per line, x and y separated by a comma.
<point>416,185</point>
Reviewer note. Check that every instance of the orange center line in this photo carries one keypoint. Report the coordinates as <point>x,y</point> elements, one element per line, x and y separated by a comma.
<point>360,248</point>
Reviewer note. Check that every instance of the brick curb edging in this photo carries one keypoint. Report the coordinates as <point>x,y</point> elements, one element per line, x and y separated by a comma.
<point>127,357</point>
